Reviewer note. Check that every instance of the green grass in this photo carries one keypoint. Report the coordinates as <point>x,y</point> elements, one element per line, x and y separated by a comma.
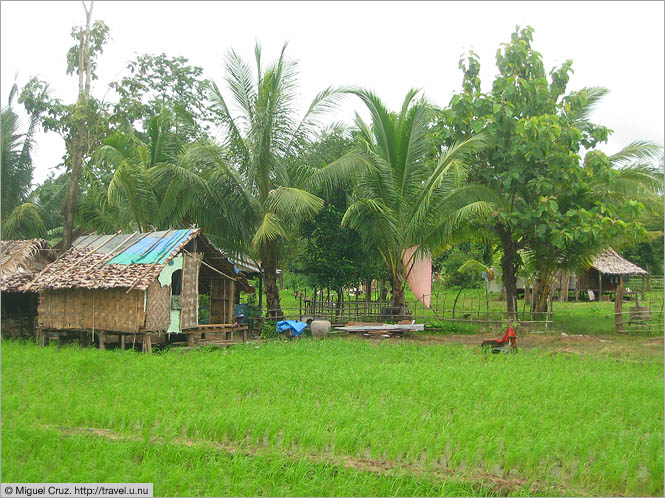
<point>289,418</point>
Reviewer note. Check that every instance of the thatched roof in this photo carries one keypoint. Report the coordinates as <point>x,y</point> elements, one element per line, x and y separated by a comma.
<point>611,262</point>
<point>21,260</point>
<point>128,260</point>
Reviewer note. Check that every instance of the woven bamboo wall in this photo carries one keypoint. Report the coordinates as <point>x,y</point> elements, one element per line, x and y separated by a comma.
<point>190,290</point>
<point>92,309</point>
<point>158,307</point>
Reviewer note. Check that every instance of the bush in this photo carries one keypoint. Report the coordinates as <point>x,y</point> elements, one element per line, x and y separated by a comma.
<point>268,329</point>
<point>453,278</point>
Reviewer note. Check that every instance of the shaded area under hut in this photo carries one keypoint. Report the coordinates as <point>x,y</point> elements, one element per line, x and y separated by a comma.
<point>20,261</point>
<point>140,287</point>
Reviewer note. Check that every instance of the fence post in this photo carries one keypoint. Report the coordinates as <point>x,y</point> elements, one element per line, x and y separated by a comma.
<point>618,303</point>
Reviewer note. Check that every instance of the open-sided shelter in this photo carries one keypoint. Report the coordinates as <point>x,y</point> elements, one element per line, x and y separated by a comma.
<point>607,273</point>
<point>140,284</point>
<point>20,261</point>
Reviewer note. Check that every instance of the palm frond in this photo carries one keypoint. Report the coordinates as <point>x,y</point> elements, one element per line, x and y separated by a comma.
<point>294,201</point>
<point>26,221</point>
<point>271,228</point>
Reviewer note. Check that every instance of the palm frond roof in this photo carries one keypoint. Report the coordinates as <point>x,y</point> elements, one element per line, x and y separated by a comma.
<point>611,262</point>
<point>129,260</point>
<point>21,260</point>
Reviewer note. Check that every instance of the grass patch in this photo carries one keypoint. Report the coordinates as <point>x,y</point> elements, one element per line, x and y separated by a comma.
<point>571,424</point>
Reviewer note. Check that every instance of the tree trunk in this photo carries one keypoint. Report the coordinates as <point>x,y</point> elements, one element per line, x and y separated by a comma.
<point>79,145</point>
<point>397,282</point>
<point>384,292</point>
<point>509,268</point>
<point>338,304</point>
<point>565,283</point>
<point>541,290</point>
<point>269,263</point>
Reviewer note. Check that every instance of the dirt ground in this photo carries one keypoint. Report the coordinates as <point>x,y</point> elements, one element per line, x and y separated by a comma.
<point>557,342</point>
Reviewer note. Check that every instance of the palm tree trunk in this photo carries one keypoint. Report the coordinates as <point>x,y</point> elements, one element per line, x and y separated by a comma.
<point>269,262</point>
<point>398,281</point>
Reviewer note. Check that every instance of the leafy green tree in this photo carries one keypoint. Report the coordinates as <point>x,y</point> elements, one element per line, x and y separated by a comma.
<point>327,255</point>
<point>156,82</point>
<point>400,200</point>
<point>545,195</point>
<point>255,197</point>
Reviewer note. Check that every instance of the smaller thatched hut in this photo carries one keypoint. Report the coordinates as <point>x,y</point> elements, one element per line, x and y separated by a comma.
<point>20,261</point>
<point>143,285</point>
<point>606,273</point>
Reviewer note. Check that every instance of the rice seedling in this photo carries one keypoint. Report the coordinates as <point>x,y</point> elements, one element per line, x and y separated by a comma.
<point>302,410</point>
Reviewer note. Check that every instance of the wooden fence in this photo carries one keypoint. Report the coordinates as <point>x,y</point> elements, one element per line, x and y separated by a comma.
<point>472,307</point>
<point>642,317</point>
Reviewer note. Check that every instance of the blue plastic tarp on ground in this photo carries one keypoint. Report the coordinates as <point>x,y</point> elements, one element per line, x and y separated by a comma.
<point>295,326</point>
<point>150,249</point>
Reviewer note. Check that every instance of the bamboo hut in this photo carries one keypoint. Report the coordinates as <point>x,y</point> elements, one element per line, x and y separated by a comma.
<point>606,273</point>
<point>21,260</point>
<point>140,287</point>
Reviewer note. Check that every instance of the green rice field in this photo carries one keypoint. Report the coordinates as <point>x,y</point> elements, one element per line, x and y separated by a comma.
<point>338,417</point>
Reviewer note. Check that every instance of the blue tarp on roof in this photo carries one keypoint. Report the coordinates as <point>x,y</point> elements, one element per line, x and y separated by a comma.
<point>151,249</point>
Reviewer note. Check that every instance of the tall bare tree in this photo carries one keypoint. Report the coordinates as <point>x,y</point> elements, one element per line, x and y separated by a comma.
<point>79,146</point>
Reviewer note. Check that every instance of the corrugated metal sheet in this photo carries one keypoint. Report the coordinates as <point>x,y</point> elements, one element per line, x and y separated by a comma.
<point>153,248</point>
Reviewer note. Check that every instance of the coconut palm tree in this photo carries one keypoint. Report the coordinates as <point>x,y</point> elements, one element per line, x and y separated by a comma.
<point>255,184</point>
<point>20,218</point>
<point>138,183</point>
<point>400,199</point>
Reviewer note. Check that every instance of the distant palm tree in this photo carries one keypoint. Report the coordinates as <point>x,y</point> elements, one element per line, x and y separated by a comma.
<point>20,218</point>
<point>151,182</point>
<point>255,184</point>
<point>400,200</point>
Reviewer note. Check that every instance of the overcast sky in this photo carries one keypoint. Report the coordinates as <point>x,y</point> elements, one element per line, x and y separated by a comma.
<point>388,47</point>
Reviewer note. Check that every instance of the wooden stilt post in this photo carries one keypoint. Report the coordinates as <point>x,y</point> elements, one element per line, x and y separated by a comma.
<point>600,286</point>
<point>147,344</point>
<point>122,342</point>
<point>190,339</point>
<point>102,338</point>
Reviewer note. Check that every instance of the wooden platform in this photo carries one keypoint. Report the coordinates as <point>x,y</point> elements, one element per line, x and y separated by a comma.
<point>211,332</point>
<point>380,330</point>
<point>217,334</point>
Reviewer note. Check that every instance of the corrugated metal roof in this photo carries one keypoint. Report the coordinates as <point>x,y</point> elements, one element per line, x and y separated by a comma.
<point>126,260</point>
<point>152,248</point>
